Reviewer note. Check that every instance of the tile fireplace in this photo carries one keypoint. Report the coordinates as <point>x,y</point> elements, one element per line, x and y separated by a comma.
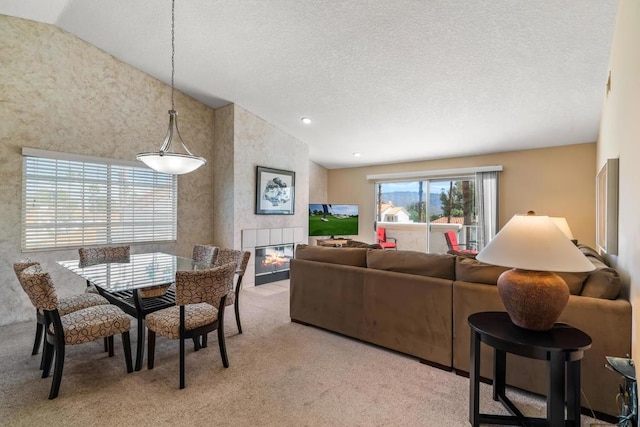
<point>272,263</point>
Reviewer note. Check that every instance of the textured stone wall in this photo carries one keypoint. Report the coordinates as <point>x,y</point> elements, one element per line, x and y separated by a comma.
<point>60,93</point>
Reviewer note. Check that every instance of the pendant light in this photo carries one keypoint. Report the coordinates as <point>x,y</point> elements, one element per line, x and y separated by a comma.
<point>164,160</point>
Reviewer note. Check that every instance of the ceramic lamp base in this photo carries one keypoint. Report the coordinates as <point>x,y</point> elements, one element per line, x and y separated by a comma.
<point>533,299</point>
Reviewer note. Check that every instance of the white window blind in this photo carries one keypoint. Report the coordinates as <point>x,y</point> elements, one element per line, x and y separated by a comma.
<point>68,201</point>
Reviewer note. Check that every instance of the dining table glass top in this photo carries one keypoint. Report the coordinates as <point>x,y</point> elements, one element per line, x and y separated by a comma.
<point>140,271</point>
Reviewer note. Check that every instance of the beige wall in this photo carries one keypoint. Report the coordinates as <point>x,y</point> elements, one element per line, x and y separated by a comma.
<point>60,93</point>
<point>620,138</point>
<point>556,181</point>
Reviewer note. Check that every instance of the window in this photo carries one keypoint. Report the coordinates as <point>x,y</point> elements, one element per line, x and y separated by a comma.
<point>461,200</point>
<point>71,201</point>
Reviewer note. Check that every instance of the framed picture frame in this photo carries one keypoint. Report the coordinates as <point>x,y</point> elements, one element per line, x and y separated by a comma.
<point>275,191</point>
<point>607,208</point>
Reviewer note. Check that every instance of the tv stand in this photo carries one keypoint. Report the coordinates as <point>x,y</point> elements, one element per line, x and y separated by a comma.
<point>333,242</point>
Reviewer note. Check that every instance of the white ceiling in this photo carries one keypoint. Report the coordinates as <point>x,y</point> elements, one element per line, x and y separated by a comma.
<point>395,80</point>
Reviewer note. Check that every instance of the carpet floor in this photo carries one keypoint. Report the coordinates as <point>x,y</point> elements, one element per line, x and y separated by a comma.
<point>281,374</point>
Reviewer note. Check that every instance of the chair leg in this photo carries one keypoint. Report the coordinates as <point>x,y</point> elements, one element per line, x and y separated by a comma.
<point>221,343</point>
<point>38,340</point>
<point>181,363</point>
<point>106,344</point>
<point>196,343</point>
<point>126,344</point>
<point>110,345</point>
<point>237,310</point>
<point>47,358</point>
<point>57,372</point>
<point>204,340</point>
<point>151,348</point>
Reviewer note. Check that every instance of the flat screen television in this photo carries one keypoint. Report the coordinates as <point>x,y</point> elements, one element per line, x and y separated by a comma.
<point>333,220</point>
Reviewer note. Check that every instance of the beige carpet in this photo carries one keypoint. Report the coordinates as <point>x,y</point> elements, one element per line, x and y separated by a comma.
<point>281,374</point>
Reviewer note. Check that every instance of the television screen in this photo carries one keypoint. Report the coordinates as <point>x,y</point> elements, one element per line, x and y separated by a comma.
<point>333,220</point>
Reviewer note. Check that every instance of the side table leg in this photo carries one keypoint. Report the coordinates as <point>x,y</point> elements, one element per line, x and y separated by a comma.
<point>555,391</point>
<point>474,380</point>
<point>573,392</point>
<point>499,374</point>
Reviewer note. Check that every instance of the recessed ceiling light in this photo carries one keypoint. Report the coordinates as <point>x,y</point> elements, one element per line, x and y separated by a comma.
<point>357,154</point>
<point>306,120</point>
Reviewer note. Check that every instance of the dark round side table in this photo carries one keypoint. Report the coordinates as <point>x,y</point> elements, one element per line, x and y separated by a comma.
<point>563,348</point>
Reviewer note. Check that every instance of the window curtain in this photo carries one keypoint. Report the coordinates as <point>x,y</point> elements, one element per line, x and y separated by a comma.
<point>487,205</point>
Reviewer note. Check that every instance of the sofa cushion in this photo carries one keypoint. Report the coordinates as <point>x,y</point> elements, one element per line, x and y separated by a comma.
<point>410,262</point>
<point>603,282</point>
<point>357,244</point>
<point>590,252</point>
<point>346,256</point>
<point>471,270</point>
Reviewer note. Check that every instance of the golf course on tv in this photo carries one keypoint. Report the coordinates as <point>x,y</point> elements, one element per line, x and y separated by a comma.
<point>340,221</point>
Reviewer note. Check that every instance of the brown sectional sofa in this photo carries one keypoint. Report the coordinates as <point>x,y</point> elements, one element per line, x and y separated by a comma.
<point>418,304</point>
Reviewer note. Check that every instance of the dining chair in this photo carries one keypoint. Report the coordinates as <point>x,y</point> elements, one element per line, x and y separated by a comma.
<point>204,253</point>
<point>102,255</point>
<point>78,327</point>
<point>200,301</point>
<point>241,258</point>
<point>66,305</point>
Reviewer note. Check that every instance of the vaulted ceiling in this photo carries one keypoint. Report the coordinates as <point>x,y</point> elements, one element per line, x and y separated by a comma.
<point>395,81</point>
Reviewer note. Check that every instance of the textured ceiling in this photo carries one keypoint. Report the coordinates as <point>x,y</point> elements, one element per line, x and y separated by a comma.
<point>396,80</point>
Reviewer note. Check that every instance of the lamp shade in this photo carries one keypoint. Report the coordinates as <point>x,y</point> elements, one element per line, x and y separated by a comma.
<point>533,295</point>
<point>534,242</point>
<point>172,163</point>
<point>563,225</point>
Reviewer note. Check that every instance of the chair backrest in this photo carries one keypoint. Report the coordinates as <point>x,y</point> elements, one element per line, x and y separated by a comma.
<point>205,253</point>
<point>101,255</point>
<point>381,234</point>
<point>241,258</point>
<point>210,285</point>
<point>39,287</point>
<point>20,266</point>
<point>452,240</point>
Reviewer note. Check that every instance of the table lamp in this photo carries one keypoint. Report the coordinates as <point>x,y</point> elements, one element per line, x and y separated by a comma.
<point>563,225</point>
<point>534,247</point>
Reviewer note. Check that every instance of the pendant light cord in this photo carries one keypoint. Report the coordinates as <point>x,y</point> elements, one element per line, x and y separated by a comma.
<point>173,48</point>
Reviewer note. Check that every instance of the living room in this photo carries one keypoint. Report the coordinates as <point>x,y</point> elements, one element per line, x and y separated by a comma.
<point>64,94</point>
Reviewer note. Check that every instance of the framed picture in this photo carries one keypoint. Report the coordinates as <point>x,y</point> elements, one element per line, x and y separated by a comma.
<point>607,208</point>
<point>275,191</point>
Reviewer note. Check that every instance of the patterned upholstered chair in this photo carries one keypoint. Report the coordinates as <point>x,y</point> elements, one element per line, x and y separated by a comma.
<point>241,258</point>
<point>78,327</point>
<point>66,305</point>
<point>205,253</point>
<point>101,255</point>
<point>199,309</point>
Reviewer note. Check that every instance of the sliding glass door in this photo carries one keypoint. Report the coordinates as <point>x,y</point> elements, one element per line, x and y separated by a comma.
<point>420,212</point>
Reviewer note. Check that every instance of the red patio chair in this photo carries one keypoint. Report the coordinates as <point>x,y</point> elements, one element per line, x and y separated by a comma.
<point>454,247</point>
<point>383,240</point>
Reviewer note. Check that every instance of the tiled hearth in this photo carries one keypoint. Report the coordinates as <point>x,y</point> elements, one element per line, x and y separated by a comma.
<point>256,238</point>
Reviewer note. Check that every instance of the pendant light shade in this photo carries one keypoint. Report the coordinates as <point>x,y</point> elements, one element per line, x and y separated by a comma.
<point>167,161</point>
<point>171,162</point>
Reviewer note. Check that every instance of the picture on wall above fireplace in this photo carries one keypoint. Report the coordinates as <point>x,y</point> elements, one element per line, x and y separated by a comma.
<point>275,191</point>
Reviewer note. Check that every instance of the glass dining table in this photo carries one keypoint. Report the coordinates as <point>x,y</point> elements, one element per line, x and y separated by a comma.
<point>125,284</point>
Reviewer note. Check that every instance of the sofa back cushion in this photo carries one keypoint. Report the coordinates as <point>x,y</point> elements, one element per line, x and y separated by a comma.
<point>471,270</point>
<point>410,262</point>
<point>356,257</point>
<point>603,282</point>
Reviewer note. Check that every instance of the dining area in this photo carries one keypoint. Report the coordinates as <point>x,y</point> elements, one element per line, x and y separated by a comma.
<point>160,295</point>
